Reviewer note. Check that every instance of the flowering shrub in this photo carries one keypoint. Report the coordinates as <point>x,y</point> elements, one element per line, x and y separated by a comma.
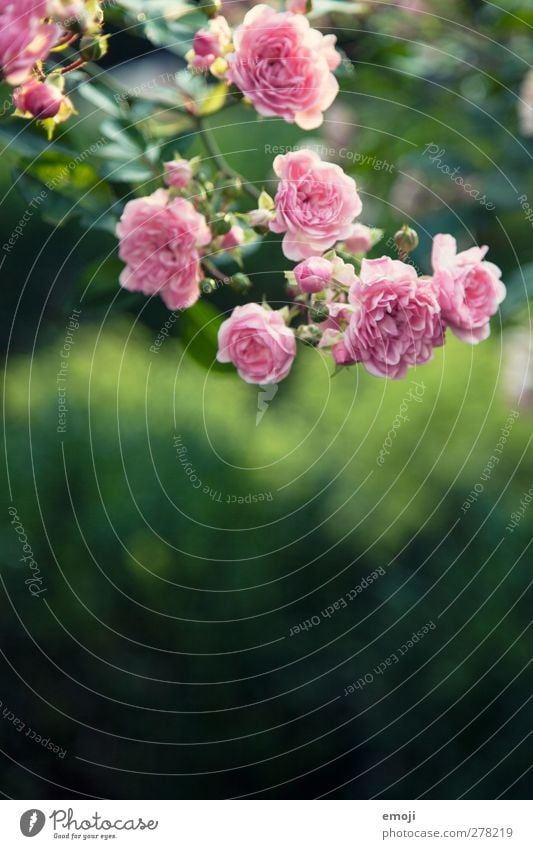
<point>377,311</point>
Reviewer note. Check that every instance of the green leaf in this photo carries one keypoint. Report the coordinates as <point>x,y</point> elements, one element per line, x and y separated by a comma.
<point>101,97</point>
<point>199,336</point>
<point>123,134</point>
<point>214,100</point>
<point>127,172</point>
<point>65,187</point>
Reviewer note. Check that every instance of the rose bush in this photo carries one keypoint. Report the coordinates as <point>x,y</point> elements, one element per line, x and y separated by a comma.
<point>177,241</point>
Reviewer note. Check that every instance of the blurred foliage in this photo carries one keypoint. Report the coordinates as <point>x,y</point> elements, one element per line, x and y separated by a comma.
<point>155,588</point>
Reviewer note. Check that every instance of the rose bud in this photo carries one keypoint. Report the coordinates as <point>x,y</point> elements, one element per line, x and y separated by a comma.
<point>206,43</point>
<point>210,8</point>
<point>233,238</point>
<point>38,99</point>
<point>93,47</point>
<point>260,217</point>
<point>319,313</point>
<point>360,239</point>
<point>314,274</point>
<point>178,173</point>
<point>406,240</point>
<point>209,45</point>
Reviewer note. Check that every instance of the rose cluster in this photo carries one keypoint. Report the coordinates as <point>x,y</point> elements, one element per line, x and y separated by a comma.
<point>375,311</point>
<point>280,63</point>
<point>378,312</point>
<point>29,31</point>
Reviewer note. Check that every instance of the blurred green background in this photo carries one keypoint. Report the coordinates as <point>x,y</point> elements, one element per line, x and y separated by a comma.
<point>160,657</point>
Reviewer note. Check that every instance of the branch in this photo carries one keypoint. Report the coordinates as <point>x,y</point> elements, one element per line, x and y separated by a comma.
<point>219,160</point>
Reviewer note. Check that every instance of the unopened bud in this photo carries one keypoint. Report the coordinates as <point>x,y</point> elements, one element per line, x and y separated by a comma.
<point>93,47</point>
<point>221,226</point>
<point>210,8</point>
<point>319,312</point>
<point>260,219</point>
<point>240,283</point>
<point>208,285</point>
<point>38,99</point>
<point>309,333</point>
<point>406,239</point>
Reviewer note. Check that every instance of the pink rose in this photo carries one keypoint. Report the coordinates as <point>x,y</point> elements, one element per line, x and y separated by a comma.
<point>258,343</point>
<point>396,321</point>
<point>233,238</point>
<point>469,290</point>
<point>316,203</point>
<point>40,100</point>
<point>359,240</point>
<point>284,66</point>
<point>24,38</point>
<point>178,173</point>
<point>314,274</point>
<point>159,239</point>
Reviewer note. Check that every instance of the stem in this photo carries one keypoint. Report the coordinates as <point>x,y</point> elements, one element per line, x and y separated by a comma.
<point>79,63</point>
<point>214,271</point>
<point>219,160</point>
<point>97,73</point>
<point>65,42</point>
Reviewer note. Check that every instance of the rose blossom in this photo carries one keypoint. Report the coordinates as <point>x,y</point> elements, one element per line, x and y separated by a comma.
<point>178,173</point>
<point>359,240</point>
<point>316,203</point>
<point>469,290</point>
<point>314,274</point>
<point>159,238</point>
<point>24,38</point>
<point>258,343</point>
<point>40,100</point>
<point>284,66</point>
<point>396,321</point>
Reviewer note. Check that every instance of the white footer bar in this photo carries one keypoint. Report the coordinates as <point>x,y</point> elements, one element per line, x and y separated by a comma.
<point>268,824</point>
